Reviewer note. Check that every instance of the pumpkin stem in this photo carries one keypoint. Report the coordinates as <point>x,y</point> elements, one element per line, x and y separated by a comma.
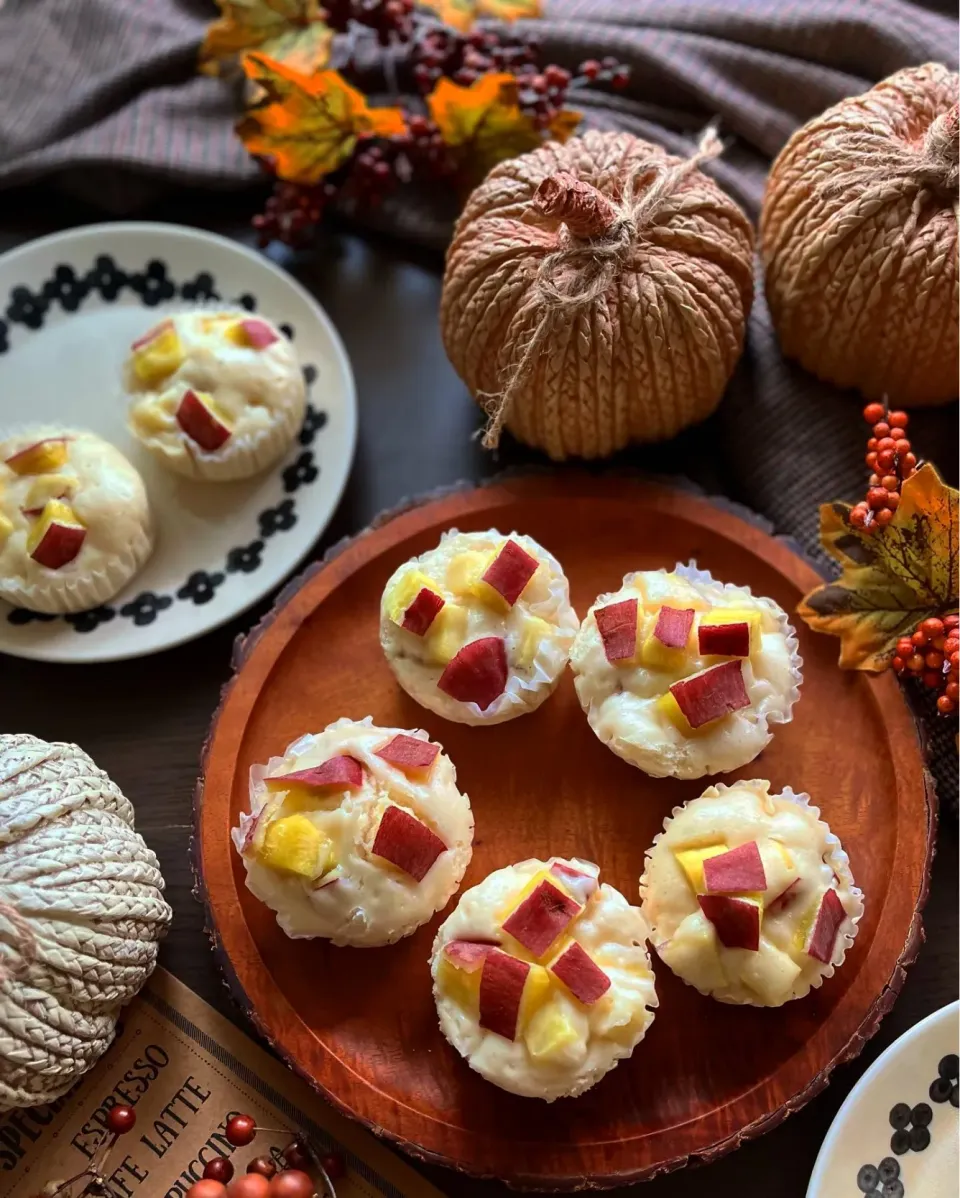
<point>942,143</point>
<point>566,199</point>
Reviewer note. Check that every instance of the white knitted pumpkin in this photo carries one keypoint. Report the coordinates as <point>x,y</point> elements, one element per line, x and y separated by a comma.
<point>81,911</point>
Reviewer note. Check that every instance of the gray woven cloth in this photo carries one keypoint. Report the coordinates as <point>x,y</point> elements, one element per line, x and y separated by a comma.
<point>102,96</point>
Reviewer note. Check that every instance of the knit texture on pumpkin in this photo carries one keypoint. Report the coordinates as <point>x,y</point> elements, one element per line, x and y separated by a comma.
<point>81,913</point>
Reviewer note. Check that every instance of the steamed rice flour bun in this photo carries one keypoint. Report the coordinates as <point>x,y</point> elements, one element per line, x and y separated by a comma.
<point>749,896</point>
<point>357,834</point>
<point>75,524</point>
<point>479,628</point>
<point>683,676</point>
<point>216,395</point>
<point>542,979</point>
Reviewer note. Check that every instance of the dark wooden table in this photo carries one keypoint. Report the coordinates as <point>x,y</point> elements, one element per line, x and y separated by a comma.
<point>144,721</point>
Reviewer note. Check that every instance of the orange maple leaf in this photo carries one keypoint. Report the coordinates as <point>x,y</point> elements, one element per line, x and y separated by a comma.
<point>288,31</point>
<point>485,121</point>
<point>307,125</point>
<point>891,579</point>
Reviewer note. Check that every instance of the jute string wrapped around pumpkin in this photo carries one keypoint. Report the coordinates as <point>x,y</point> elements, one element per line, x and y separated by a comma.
<point>859,240</point>
<point>596,293</point>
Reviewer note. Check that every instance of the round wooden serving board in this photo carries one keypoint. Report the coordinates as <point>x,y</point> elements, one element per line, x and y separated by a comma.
<point>360,1024</point>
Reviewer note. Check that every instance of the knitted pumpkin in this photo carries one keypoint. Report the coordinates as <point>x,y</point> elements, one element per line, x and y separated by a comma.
<point>81,909</point>
<point>596,293</point>
<point>859,239</point>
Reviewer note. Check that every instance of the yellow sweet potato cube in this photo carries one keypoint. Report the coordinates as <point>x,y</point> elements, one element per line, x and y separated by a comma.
<point>6,528</point>
<point>550,1033</point>
<point>536,991</point>
<point>446,634</point>
<point>534,631</point>
<point>464,571</point>
<point>295,845</point>
<point>159,358</point>
<point>462,985</point>
<point>54,512</point>
<point>48,486</point>
<point>669,707</point>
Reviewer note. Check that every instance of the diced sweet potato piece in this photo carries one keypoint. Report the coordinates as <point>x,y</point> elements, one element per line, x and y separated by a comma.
<point>409,753</point>
<point>581,975</point>
<point>830,916</point>
<point>737,871</point>
<point>407,843</point>
<point>541,917</point>
<point>338,773</point>
<point>737,920</point>
<point>501,991</point>
<point>510,571</point>
<point>617,625</point>
<point>673,626</point>
<point>711,694</point>
<point>478,672</point>
<point>422,611</point>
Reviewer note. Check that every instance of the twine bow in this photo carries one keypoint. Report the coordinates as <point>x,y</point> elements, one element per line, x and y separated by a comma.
<point>599,235</point>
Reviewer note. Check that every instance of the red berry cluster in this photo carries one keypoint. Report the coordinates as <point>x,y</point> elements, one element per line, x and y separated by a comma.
<point>892,461</point>
<point>391,20</point>
<point>932,654</point>
<point>263,1178</point>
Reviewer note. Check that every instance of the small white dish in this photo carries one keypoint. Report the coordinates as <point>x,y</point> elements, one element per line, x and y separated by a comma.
<point>70,305</point>
<point>861,1139</point>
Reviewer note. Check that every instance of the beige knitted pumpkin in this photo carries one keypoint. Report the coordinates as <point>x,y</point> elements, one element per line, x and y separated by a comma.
<point>859,239</point>
<point>81,910</point>
<point>596,293</point>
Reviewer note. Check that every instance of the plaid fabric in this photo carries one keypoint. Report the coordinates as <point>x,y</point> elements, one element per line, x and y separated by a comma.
<point>104,94</point>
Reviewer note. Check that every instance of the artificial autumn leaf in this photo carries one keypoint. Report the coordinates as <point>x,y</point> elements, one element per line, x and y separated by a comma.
<point>289,31</point>
<point>486,122</point>
<point>308,124</point>
<point>461,14</point>
<point>893,578</point>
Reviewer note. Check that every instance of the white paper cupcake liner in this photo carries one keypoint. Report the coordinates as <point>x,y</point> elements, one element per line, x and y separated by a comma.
<point>835,856</point>
<point>81,591</point>
<point>524,692</point>
<point>242,455</point>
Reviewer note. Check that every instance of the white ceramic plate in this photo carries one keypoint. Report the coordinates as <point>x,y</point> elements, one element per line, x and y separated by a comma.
<point>879,1130</point>
<point>70,305</point>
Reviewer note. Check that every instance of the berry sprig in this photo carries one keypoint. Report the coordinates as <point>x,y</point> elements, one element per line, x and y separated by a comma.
<point>892,460</point>
<point>932,655</point>
<point>92,1183</point>
<point>263,1177</point>
<point>378,166</point>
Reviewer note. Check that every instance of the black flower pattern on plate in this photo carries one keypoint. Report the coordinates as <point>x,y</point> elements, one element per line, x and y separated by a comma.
<point>200,288</point>
<point>943,1088</point>
<point>106,278</point>
<point>201,586</point>
<point>277,519</point>
<point>66,289</point>
<point>881,1181</point>
<point>245,559</point>
<point>22,615</point>
<point>288,331</point>
<point>27,308</point>
<point>153,285</point>
<point>87,621</point>
<point>247,301</point>
<point>4,340</point>
<point>299,473</point>
<point>309,375</point>
<point>145,607</point>
<point>313,422</point>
